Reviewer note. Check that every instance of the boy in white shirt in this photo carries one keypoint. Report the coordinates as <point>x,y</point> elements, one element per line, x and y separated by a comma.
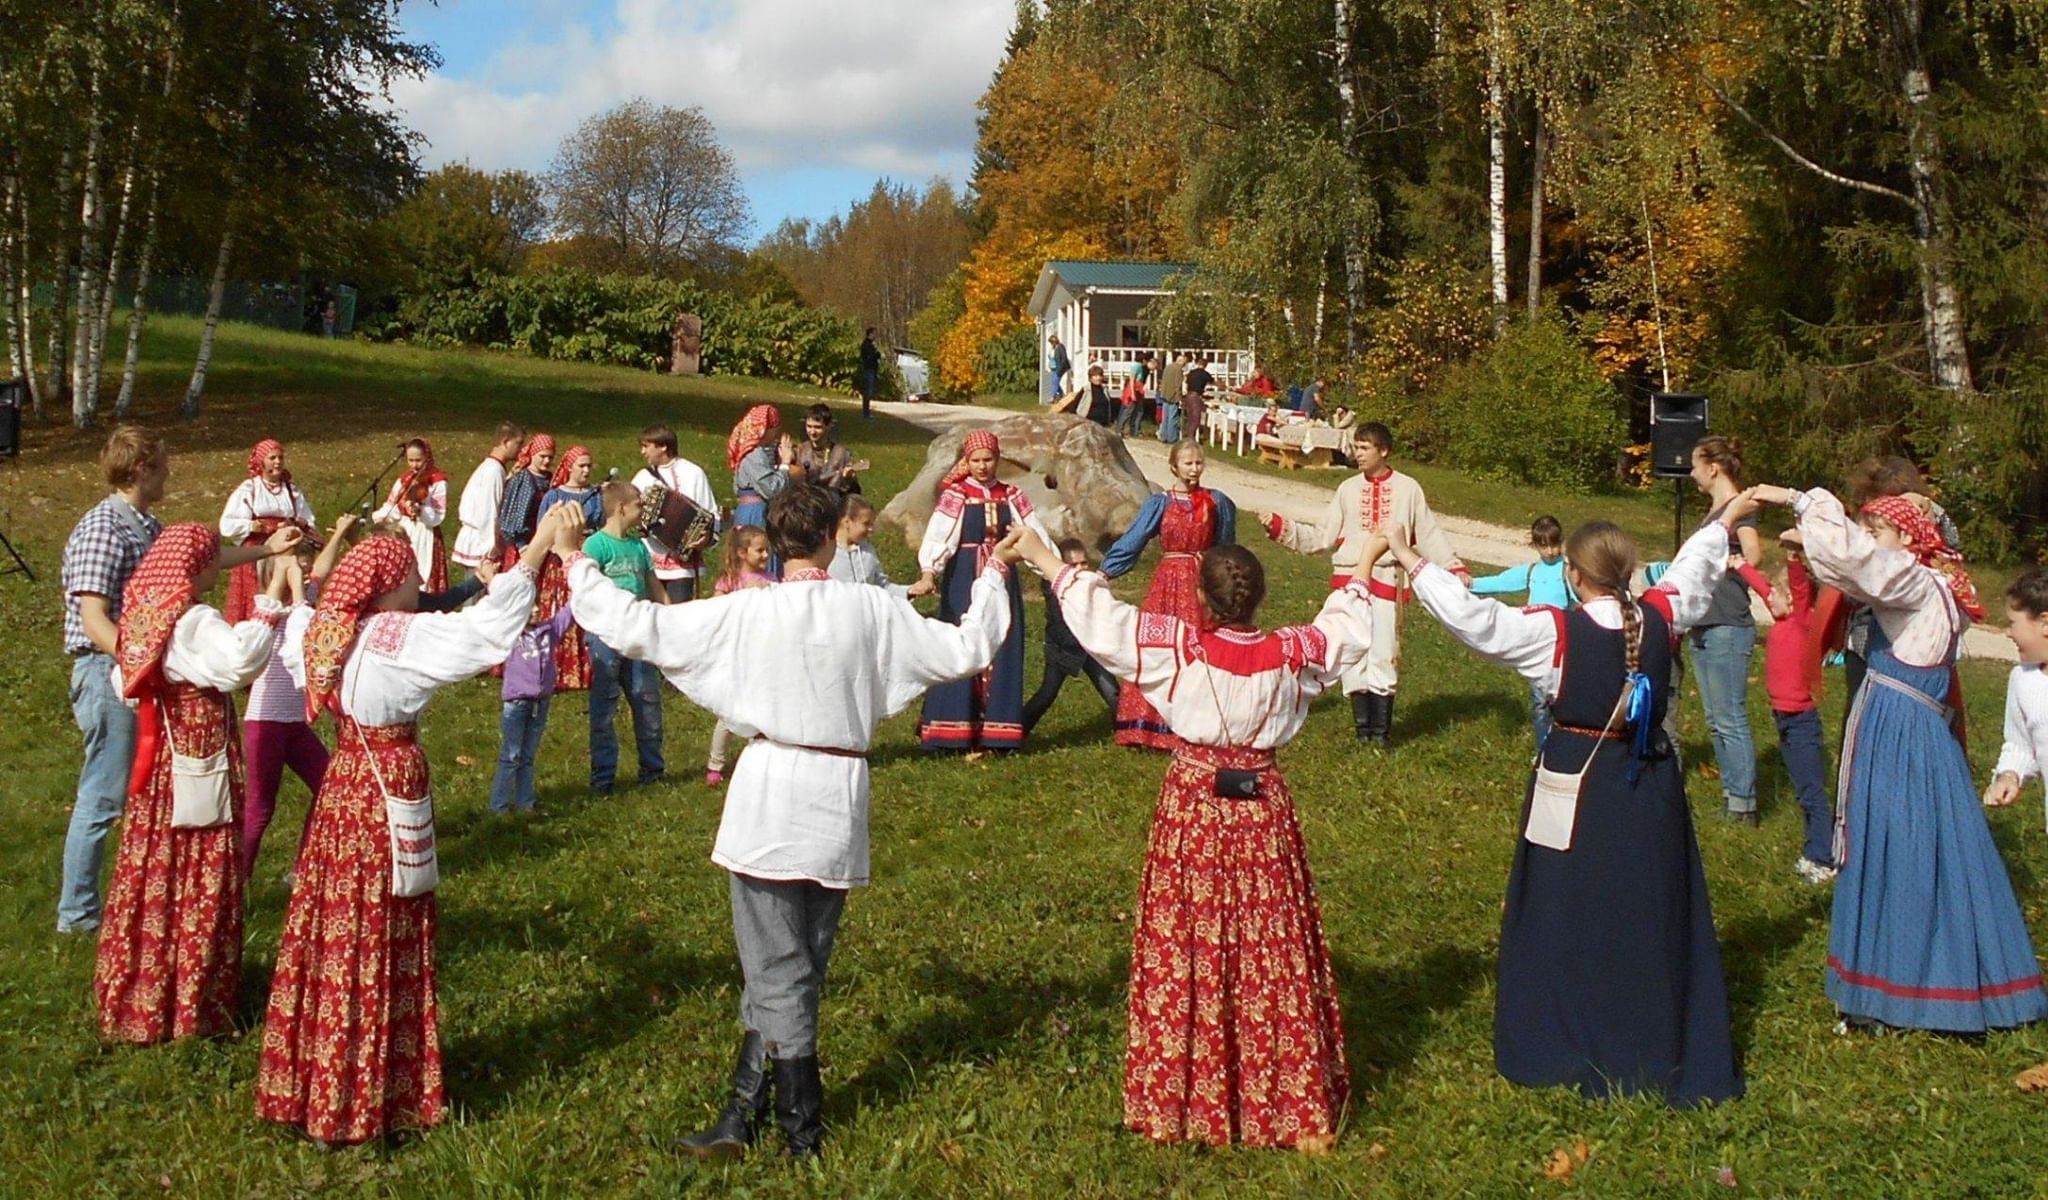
<point>477,512</point>
<point>2026,691</point>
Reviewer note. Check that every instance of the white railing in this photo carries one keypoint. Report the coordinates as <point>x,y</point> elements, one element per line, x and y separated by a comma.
<point>1230,368</point>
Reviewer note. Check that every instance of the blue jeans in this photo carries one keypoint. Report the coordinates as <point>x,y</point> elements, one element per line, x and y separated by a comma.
<point>1539,714</point>
<point>519,728</point>
<point>1806,761</point>
<point>609,674</point>
<point>1131,418</point>
<point>109,729</point>
<point>1169,423</point>
<point>1720,657</point>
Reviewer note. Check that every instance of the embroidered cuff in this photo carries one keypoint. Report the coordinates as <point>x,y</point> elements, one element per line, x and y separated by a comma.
<point>1065,579</point>
<point>1800,502</point>
<point>270,610</point>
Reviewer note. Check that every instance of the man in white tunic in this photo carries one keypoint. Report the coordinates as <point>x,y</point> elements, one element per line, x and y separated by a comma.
<point>794,835</point>
<point>1375,497</point>
<point>478,510</point>
<point>675,568</point>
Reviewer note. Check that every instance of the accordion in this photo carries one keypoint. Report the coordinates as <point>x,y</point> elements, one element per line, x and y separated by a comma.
<point>676,521</point>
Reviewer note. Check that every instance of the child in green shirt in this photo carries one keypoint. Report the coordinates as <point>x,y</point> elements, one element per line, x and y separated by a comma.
<point>622,555</point>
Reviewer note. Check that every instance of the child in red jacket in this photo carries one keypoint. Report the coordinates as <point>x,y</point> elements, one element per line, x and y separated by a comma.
<point>1798,716</point>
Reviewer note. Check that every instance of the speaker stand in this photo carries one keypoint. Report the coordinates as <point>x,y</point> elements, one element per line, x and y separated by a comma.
<point>20,564</point>
<point>1677,515</point>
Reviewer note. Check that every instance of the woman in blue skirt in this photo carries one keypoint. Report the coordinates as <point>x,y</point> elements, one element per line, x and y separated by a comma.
<point>975,510</point>
<point>1927,933</point>
<point>1610,973</point>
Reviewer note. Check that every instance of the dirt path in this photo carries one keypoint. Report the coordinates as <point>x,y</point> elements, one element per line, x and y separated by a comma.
<point>1256,492</point>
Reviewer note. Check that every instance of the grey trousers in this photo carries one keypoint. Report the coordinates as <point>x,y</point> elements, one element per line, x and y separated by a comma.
<point>784,931</point>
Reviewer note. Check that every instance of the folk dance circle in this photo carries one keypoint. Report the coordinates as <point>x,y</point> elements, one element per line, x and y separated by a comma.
<point>1610,978</point>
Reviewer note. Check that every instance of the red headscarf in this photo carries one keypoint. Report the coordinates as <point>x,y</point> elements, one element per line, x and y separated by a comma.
<point>535,445</point>
<point>752,430</point>
<point>158,594</point>
<point>980,439</point>
<point>569,459</point>
<point>262,450</point>
<point>374,567</point>
<point>1925,543</point>
<point>413,485</point>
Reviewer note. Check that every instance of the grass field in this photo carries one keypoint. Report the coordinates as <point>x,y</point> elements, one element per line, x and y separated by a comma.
<point>973,1026</point>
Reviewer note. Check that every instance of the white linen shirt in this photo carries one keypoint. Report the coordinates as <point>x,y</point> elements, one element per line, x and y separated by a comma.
<point>1525,639</point>
<point>207,652</point>
<point>677,475</point>
<point>1910,602</point>
<point>419,531</point>
<point>2026,723</point>
<point>859,656</point>
<point>478,512</point>
<point>859,563</point>
<point>256,500</point>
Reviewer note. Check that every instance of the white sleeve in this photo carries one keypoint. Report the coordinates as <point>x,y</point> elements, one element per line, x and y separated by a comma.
<point>302,508</point>
<point>697,486</point>
<point>1106,627</point>
<point>924,651</point>
<point>2017,755</point>
<point>941,539</point>
<point>206,651</point>
<point>1346,625</point>
<point>1037,526</point>
<point>388,511</point>
<point>1308,537</point>
<point>435,509</point>
<point>450,647</point>
<point>685,642</point>
<point>1843,554</point>
<point>480,497</point>
<point>238,516</point>
<point>1694,574</point>
<point>293,650</point>
<point>1524,639</point>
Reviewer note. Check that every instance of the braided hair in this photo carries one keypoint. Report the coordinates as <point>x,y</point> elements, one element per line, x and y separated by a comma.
<point>1233,584</point>
<point>1605,557</point>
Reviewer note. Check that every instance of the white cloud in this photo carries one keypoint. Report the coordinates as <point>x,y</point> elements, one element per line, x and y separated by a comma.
<point>886,86</point>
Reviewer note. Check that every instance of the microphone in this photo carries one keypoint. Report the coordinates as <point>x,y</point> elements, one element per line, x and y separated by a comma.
<point>612,475</point>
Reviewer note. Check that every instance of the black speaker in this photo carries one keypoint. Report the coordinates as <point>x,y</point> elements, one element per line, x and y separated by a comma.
<point>1678,420</point>
<point>12,392</point>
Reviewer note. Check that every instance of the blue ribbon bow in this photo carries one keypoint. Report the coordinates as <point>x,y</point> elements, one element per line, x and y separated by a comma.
<point>1640,698</point>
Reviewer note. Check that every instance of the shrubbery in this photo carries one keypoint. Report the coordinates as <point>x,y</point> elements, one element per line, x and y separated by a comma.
<point>1010,363</point>
<point>626,320</point>
<point>1532,408</point>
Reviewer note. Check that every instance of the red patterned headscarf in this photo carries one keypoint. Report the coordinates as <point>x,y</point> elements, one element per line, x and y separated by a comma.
<point>262,450</point>
<point>158,594</point>
<point>536,445</point>
<point>980,439</point>
<point>752,430</point>
<point>569,459</point>
<point>414,485</point>
<point>1925,543</point>
<point>374,567</point>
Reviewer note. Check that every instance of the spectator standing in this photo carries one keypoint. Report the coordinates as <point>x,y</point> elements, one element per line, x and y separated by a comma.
<point>870,373</point>
<point>1059,365</point>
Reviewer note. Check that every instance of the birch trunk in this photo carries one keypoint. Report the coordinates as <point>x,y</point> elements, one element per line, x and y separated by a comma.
<point>1355,257</point>
<point>60,279</point>
<point>21,298</point>
<point>8,278</point>
<point>91,215</point>
<point>194,389</point>
<point>1941,301</point>
<point>1541,159</point>
<point>1497,173</point>
<point>103,314</point>
<point>126,400</point>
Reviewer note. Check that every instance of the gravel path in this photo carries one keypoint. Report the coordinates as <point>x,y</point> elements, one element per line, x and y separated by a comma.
<point>1254,491</point>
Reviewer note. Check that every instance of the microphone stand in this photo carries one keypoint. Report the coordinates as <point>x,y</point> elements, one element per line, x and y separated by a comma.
<point>363,503</point>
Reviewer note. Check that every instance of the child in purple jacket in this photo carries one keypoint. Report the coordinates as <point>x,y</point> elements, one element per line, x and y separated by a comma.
<point>529,688</point>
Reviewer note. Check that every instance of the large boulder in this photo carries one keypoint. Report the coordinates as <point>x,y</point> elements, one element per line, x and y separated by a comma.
<point>1080,479</point>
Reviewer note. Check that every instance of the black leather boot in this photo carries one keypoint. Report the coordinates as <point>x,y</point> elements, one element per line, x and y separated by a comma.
<point>1361,715</point>
<point>799,1105</point>
<point>733,1132</point>
<point>1379,719</point>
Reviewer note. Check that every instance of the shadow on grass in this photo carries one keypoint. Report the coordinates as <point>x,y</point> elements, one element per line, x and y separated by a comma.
<point>1390,1011</point>
<point>1750,950</point>
<point>634,987</point>
<point>1456,710</point>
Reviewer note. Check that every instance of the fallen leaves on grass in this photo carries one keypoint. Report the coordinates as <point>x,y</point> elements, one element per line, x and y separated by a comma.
<point>2033,1079</point>
<point>952,1153</point>
<point>1726,1178</point>
<point>1563,1162</point>
<point>464,760</point>
<point>1377,1152</point>
<point>1317,1144</point>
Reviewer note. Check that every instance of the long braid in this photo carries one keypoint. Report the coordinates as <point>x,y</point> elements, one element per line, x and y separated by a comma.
<point>1631,626</point>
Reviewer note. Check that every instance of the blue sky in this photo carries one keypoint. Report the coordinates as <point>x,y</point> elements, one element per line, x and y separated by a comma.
<point>815,99</point>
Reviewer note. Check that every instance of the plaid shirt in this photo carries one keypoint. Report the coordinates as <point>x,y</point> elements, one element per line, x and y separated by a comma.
<point>102,553</point>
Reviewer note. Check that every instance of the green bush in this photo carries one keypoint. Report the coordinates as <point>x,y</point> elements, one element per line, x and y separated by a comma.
<point>625,320</point>
<point>1532,408</point>
<point>1010,363</point>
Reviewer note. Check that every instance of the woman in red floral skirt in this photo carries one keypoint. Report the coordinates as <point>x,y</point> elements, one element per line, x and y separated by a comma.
<point>351,1048</point>
<point>1187,520</point>
<point>1234,1035</point>
<point>170,952</point>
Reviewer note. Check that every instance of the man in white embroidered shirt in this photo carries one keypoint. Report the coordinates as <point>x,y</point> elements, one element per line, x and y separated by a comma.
<point>794,833</point>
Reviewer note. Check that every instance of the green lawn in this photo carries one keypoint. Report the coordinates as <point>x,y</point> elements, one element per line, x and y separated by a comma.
<point>973,1025</point>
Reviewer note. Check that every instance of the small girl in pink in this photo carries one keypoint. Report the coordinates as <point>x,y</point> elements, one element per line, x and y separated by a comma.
<point>747,557</point>
<point>275,734</point>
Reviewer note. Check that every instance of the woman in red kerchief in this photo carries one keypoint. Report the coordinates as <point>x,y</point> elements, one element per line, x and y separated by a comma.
<point>263,503</point>
<point>519,510</point>
<point>758,454</point>
<point>975,510</point>
<point>418,503</point>
<point>351,1046</point>
<point>170,951</point>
